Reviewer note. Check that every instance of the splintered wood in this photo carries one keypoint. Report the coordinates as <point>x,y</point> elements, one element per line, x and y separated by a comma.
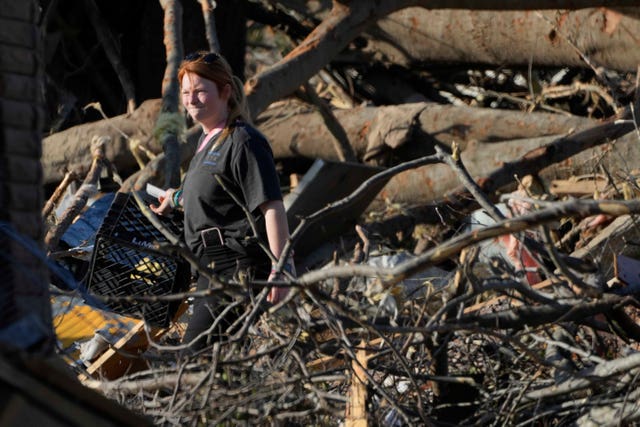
<point>356,415</point>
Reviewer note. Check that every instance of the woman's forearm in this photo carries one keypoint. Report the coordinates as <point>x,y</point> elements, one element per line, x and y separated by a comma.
<point>276,225</point>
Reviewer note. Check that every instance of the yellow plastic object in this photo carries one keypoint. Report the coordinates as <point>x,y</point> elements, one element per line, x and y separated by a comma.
<point>149,268</point>
<point>74,321</point>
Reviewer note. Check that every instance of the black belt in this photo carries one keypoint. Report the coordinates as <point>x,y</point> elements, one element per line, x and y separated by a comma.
<point>231,253</point>
<point>216,249</point>
<point>212,237</point>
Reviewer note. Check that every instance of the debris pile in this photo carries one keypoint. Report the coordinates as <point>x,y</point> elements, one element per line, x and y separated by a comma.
<point>520,311</point>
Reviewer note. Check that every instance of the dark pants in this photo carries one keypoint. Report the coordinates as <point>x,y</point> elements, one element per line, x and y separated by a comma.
<point>228,264</point>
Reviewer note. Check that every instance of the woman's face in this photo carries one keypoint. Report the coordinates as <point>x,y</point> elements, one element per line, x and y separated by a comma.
<point>202,100</point>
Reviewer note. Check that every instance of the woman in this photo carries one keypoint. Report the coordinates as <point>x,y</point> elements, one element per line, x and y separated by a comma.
<point>215,226</point>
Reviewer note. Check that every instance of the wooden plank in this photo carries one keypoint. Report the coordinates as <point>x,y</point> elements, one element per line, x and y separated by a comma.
<point>111,364</point>
<point>356,413</point>
<point>571,187</point>
<point>110,353</point>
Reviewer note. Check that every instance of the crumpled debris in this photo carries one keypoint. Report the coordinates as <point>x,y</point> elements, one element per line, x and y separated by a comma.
<point>77,323</point>
<point>91,349</point>
<point>82,231</point>
<point>411,287</point>
<point>506,248</point>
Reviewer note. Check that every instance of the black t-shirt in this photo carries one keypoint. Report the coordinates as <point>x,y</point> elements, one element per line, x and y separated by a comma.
<point>244,162</point>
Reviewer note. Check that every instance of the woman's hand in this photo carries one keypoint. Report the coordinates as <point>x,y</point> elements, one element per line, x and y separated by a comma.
<point>275,219</point>
<point>166,203</point>
<point>277,294</point>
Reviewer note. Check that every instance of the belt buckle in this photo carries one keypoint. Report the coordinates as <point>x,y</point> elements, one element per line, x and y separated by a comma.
<point>211,237</point>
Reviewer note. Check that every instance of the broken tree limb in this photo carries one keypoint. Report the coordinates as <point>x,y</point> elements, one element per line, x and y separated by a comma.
<point>69,150</point>
<point>169,381</point>
<point>343,24</point>
<point>607,36</point>
<point>621,412</point>
<point>406,131</point>
<point>88,188</point>
<point>558,151</point>
<point>554,157</point>
<point>347,20</point>
<point>588,377</point>
<point>59,191</point>
<point>170,125</point>
<point>208,7</point>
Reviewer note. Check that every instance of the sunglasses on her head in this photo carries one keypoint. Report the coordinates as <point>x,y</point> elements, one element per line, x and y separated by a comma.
<point>207,58</point>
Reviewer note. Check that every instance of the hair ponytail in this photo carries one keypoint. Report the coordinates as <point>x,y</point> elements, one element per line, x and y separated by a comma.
<point>238,107</point>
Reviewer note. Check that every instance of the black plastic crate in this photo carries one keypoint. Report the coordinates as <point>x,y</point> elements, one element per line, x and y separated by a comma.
<point>124,221</point>
<point>124,264</point>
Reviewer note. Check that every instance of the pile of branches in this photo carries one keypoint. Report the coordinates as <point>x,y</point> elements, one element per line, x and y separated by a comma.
<point>482,342</point>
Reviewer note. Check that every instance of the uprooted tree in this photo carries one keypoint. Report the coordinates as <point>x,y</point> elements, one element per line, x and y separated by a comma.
<point>389,79</point>
<point>458,106</point>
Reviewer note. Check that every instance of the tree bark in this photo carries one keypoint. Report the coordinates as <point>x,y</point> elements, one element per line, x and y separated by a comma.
<point>606,37</point>
<point>349,19</point>
<point>69,150</point>
<point>376,134</point>
<point>405,131</point>
<point>170,123</point>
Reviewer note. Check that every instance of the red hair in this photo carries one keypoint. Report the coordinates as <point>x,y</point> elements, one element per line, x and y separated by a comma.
<point>214,67</point>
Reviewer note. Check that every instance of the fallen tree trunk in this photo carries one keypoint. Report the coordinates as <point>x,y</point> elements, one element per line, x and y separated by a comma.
<point>348,20</point>
<point>406,131</point>
<point>69,150</point>
<point>434,182</point>
<point>606,37</point>
<point>488,138</point>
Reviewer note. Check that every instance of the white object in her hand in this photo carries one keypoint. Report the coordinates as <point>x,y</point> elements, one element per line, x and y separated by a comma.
<point>154,191</point>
